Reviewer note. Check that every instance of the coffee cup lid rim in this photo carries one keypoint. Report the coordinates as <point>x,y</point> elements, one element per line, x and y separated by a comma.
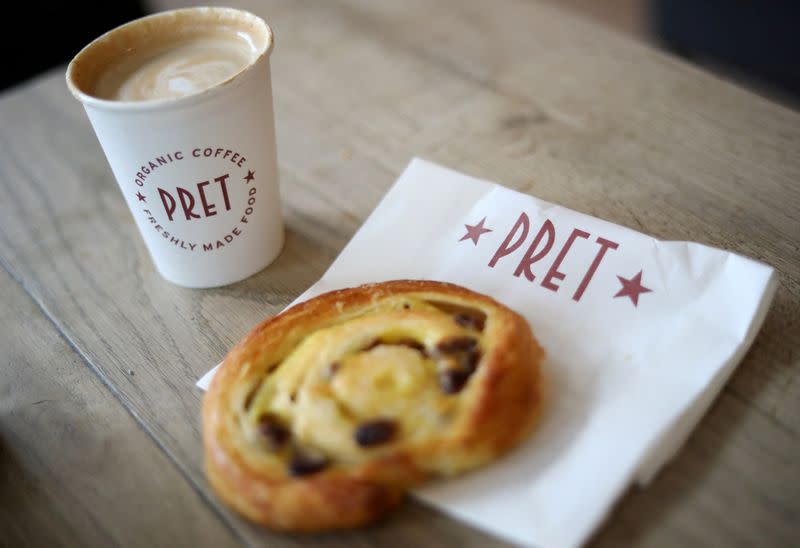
<point>153,104</point>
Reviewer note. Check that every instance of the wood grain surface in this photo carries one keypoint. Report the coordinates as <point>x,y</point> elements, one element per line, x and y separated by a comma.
<point>76,469</point>
<point>512,91</point>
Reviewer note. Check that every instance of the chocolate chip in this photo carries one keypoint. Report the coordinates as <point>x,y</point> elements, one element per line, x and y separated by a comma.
<point>304,463</point>
<point>451,345</point>
<point>452,381</point>
<point>275,434</point>
<point>406,306</point>
<point>465,316</point>
<point>459,357</point>
<point>470,321</point>
<point>375,432</point>
<point>293,396</point>
<point>468,361</point>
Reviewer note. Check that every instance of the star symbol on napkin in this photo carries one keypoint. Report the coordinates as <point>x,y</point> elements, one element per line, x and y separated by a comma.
<point>141,197</point>
<point>474,232</point>
<point>250,175</point>
<point>632,288</point>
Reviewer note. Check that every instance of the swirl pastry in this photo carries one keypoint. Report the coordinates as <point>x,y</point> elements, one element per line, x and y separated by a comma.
<point>323,416</point>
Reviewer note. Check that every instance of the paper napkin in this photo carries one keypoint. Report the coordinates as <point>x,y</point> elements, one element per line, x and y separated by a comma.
<point>640,337</point>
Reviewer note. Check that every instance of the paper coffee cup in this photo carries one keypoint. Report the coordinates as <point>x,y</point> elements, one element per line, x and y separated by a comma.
<point>199,172</point>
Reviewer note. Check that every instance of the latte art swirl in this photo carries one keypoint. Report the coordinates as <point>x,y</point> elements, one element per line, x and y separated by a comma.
<point>169,55</point>
<point>183,69</point>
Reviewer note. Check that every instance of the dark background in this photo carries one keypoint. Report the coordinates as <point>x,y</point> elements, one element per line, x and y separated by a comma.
<point>61,30</point>
<point>757,41</point>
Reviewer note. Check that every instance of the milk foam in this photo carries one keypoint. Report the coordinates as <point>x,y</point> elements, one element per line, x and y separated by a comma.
<point>182,69</point>
<point>169,55</point>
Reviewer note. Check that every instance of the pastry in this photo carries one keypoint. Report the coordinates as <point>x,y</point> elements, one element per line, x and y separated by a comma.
<point>323,416</point>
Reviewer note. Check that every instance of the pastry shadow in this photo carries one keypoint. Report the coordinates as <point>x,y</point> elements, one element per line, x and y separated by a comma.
<point>560,421</point>
<point>412,523</point>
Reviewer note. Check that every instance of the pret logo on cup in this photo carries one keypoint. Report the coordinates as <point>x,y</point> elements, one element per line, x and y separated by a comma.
<point>226,198</point>
<point>181,103</point>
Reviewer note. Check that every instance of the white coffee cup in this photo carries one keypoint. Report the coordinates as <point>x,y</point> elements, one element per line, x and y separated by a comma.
<point>199,171</point>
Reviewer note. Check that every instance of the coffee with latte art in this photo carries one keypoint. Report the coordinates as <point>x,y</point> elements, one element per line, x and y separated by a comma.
<point>170,56</point>
<point>177,70</point>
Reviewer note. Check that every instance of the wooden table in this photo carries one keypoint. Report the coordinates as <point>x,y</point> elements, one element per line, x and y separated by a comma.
<point>99,417</point>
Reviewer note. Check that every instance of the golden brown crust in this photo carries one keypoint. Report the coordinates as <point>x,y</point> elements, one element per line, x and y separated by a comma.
<point>452,431</point>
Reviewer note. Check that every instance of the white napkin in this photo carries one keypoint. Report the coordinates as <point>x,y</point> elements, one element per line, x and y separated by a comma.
<point>640,337</point>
